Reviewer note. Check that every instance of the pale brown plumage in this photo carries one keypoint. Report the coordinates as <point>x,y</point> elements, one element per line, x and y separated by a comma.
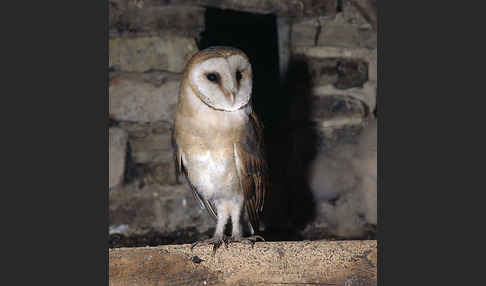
<point>219,147</point>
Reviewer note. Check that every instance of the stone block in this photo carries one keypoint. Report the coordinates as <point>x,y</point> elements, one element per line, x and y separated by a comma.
<point>116,155</point>
<point>304,32</point>
<point>302,8</point>
<point>336,111</point>
<point>140,54</point>
<point>150,145</point>
<point>149,142</point>
<point>354,11</point>
<point>347,29</point>
<point>177,20</point>
<point>341,73</point>
<point>365,94</point>
<point>337,52</point>
<point>143,97</point>
<point>353,71</point>
<point>347,36</point>
<point>155,208</point>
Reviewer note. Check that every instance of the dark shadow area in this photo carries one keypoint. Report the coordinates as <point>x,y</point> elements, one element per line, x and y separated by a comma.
<point>134,171</point>
<point>112,122</point>
<point>301,146</point>
<point>183,236</point>
<point>339,7</point>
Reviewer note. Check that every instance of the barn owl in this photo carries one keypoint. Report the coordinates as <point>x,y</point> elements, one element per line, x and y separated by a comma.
<point>218,142</point>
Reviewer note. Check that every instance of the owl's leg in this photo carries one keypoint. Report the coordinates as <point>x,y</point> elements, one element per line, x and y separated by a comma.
<point>236,232</point>
<point>223,214</point>
<point>235,220</point>
<point>218,238</point>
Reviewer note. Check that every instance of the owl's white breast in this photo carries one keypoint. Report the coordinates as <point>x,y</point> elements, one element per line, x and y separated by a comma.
<point>213,173</point>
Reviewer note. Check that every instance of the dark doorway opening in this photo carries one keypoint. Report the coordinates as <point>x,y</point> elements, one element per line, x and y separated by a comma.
<point>256,35</point>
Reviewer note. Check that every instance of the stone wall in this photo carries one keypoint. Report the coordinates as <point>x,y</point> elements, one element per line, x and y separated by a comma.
<point>333,68</point>
<point>328,60</point>
<point>340,53</point>
<point>148,46</point>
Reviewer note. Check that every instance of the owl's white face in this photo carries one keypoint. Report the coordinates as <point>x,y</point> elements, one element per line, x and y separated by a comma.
<point>223,83</point>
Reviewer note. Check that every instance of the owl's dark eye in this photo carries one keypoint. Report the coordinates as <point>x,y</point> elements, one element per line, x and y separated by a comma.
<point>212,77</point>
<point>238,75</point>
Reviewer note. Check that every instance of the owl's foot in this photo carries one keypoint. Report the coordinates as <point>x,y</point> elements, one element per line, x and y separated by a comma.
<point>247,240</point>
<point>215,241</point>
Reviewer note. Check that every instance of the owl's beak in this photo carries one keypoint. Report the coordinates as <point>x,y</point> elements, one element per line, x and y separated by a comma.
<point>231,96</point>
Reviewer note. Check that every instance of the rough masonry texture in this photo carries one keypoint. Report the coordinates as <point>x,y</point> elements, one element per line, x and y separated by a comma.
<point>150,42</point>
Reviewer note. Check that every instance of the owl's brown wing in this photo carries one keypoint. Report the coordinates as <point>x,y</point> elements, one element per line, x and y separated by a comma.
<point>252,168</point>
<point>179,167</point>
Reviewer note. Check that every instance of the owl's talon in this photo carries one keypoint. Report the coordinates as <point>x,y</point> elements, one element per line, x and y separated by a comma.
<point>216,245</point>
<point>216,242</point>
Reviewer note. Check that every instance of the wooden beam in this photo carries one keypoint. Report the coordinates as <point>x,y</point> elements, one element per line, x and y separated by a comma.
<point>267,263</point>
